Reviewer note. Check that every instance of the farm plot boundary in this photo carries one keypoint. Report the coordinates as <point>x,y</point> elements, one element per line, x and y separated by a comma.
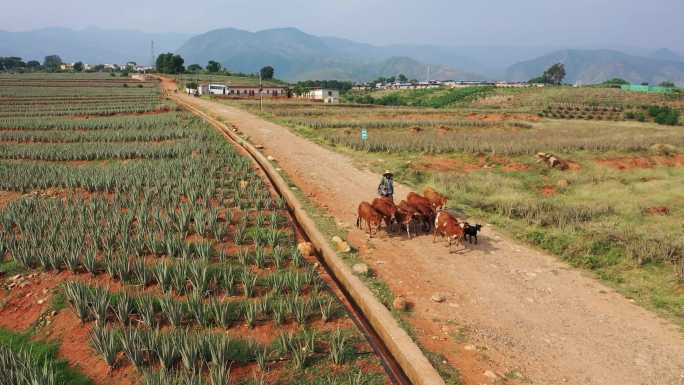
<point>403,358</point>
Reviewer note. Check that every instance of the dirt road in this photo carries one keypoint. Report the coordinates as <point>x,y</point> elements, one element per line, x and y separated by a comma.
<point>509,310</point>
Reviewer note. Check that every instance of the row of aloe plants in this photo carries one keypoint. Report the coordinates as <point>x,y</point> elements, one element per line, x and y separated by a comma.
<point>99,304</point>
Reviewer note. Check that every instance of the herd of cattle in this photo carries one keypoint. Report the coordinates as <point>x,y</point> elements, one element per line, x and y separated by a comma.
<point>425,212</point>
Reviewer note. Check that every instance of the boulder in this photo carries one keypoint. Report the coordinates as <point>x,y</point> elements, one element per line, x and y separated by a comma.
<point>360,268</point>
<point>340,245</point>
<point>438,297</point>
<point>400,303</point>
<point>305,249</point>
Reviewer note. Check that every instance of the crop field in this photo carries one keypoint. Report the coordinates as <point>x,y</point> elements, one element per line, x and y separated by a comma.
<point>617,210</point>
<point>144,249</point>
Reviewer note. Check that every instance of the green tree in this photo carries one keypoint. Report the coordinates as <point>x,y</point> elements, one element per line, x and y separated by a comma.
<point>168,63</point>
<point>667,84</point>
<point>11,63</point>
<point>615,82</point>
<point>402,78</point>
<point>52,63</point>
<point>555,74</point>
<point>194,68</point>
<point>33,65</point>
<point>78,66</point>
<point>213,66</point>
<point>267,73</point>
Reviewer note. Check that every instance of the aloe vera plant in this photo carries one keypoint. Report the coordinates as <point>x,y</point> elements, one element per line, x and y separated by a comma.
<point>79,297</point>
<point>133,346</point>
<point>172,310</point>
<point>123,308</point>
<point>106,343</point>
<point>338,346</point>
<point>146,306</point>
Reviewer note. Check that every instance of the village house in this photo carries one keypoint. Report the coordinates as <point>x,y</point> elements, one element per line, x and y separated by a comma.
<point>256,91</point>
<point>322,94</point>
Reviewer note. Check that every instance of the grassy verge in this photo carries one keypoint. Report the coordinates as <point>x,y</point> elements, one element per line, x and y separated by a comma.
<point>43,352</point>
<point>599,222</point>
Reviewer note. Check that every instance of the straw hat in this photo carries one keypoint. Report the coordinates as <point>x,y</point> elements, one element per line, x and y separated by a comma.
<point>387,172</point>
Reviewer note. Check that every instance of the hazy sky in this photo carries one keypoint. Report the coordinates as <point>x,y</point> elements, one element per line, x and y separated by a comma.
<point>635,23</point>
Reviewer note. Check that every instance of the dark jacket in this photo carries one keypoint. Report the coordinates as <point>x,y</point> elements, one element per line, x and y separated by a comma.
<point>386,187</point>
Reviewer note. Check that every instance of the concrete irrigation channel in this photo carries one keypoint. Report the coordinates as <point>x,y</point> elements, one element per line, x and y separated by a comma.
<point>402,358</point>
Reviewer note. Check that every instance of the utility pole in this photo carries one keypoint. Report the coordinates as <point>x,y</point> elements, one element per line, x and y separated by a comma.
<point>261,94</point>
<point>428,73</point>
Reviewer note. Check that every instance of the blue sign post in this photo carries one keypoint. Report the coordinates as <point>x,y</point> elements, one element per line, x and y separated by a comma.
<point>364,134</point>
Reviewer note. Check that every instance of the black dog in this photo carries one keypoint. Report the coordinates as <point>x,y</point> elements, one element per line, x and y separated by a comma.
<point>471,232</point>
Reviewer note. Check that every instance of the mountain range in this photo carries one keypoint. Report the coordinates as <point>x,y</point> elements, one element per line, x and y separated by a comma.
<point>595,66</point>
<point>297,55</point>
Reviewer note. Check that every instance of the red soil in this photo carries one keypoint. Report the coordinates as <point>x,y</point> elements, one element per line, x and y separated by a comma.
<point>7,197</point>
<point>21,309</point>
<point>74,347</point>
<point>628,163</point>
<point>435,163</point>
<point>515,166</point>
<point>658,210</point>
<point>548,191</point>
<point>503,117</point>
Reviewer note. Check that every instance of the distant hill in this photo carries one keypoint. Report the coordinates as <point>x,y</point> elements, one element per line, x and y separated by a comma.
<point>90,45</point>
<point>299,56</point>
<point>666,54</point>
<point>595,66</point>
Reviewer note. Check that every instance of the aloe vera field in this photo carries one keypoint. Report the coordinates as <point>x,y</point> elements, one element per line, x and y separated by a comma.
<point>614,209</point>
<point>137,246</point>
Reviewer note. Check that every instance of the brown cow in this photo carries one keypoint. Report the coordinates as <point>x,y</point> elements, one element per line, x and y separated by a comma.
<point>407,215</point>
<point>387,209</point>
<point>414,199</point>
<point>447,225</point>
<point>438,200</point>
<point>368,214</point>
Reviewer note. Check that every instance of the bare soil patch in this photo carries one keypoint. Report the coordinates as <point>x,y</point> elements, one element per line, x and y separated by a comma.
<point>441,164</point>
<point>629,163</point>
<point>26,300</point>
<point>662,210</point>
<point>491,117</point>
<point>75,348</point>
<point>548,191</point>
<point>7,197</point>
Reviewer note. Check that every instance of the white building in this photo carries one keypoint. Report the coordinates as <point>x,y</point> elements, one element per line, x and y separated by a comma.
<point>213,89</point>
<point>323,94</point>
